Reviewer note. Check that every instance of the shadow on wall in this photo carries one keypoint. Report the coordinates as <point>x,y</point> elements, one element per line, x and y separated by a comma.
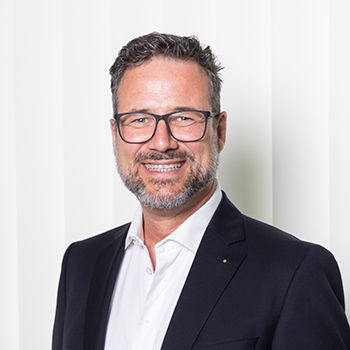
<point>248,187</point>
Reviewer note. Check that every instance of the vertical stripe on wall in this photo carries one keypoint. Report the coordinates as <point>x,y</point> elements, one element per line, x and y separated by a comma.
<point>9,319</point>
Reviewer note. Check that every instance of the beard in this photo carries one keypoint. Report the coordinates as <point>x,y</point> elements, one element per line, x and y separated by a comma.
<point>164,196</point>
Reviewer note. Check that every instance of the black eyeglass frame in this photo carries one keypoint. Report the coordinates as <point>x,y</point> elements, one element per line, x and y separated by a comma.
<point>165,117</point>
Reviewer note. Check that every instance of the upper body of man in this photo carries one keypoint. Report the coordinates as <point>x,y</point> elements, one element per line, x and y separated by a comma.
<point>190,271</point>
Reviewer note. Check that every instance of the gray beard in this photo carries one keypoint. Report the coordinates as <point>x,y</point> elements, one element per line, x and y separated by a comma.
<point>196,181</point>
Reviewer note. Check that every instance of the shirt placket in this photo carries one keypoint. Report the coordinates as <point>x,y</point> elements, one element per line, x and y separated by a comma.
<point>147,277</point>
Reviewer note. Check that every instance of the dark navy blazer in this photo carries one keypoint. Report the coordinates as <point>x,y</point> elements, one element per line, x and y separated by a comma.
<point>251,286</point>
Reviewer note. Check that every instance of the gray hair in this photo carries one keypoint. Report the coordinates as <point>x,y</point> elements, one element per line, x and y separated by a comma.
<point>143,48</point>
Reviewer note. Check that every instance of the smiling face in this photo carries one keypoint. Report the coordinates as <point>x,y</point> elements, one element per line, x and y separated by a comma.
<point>164,172</point>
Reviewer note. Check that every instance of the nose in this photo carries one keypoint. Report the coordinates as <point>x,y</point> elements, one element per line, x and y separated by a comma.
<point>162,140</point>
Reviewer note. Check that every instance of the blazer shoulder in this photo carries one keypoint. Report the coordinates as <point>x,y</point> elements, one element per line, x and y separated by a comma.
<point>278,245</point>
<point>93,245</point>
<point>259,230</point>
<point>282,254</point>
<point>260,237</point>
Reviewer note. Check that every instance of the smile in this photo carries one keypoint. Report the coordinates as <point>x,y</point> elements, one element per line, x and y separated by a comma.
<point>163,167</point>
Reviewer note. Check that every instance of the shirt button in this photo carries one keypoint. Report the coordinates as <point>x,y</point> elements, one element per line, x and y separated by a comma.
<point>149,270</point>
<point>147,324</point>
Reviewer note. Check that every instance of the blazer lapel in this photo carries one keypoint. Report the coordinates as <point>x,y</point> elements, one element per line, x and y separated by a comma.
<point>216,262</point>
<point>101,290</point>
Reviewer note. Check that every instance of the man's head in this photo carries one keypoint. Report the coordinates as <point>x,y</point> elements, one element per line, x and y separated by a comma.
<point>144,48</point>
<point>164,171</point>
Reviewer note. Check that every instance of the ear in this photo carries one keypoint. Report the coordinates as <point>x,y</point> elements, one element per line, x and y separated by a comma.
<point>221,130</point>
<point>113,125</point>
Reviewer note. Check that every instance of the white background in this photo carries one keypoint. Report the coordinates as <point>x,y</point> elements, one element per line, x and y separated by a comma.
<point>286,91</point>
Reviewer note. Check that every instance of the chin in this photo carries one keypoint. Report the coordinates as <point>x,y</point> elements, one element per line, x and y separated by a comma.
<point>164,199</point>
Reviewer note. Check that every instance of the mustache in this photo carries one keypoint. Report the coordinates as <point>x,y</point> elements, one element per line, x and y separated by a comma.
<point>141,157</point>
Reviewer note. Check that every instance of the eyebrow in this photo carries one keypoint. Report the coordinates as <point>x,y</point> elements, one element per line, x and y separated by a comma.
<point>176,109</point>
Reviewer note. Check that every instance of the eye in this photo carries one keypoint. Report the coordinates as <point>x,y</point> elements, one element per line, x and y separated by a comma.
<point>136,120</point>
<point>183,118</point>
<point>141,120</point>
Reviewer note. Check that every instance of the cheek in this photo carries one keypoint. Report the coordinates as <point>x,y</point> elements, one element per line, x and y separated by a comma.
<point>126,153</point>
<point>205,150</point>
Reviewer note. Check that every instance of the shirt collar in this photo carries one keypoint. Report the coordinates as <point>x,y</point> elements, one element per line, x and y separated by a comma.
<point>189,234</point>
<point>135,232</point>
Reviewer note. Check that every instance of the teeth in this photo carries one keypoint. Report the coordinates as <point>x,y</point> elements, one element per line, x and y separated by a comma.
<point>163,167</point>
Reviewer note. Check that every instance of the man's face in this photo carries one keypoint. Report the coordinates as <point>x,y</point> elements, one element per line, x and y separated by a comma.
<point>164,172</point>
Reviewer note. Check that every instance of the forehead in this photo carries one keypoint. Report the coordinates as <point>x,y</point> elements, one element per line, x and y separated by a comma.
<point>163,81</point>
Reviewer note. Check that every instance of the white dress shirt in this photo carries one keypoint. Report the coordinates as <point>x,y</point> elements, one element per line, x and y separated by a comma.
<point>144,300</point>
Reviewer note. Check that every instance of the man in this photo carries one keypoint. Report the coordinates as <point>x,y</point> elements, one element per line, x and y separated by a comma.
<point>190,271</point>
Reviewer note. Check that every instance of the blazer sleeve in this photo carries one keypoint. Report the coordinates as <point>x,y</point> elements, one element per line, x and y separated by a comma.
<point>57,336</point>
<point>312,316</point>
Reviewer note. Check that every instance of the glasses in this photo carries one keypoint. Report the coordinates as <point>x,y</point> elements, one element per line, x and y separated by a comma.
<point>184,126</point>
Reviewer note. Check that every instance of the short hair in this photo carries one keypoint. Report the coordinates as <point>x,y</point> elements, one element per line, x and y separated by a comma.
<point>187,48</point>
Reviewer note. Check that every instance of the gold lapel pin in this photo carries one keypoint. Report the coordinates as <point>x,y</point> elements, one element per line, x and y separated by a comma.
<point>222,260</point>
